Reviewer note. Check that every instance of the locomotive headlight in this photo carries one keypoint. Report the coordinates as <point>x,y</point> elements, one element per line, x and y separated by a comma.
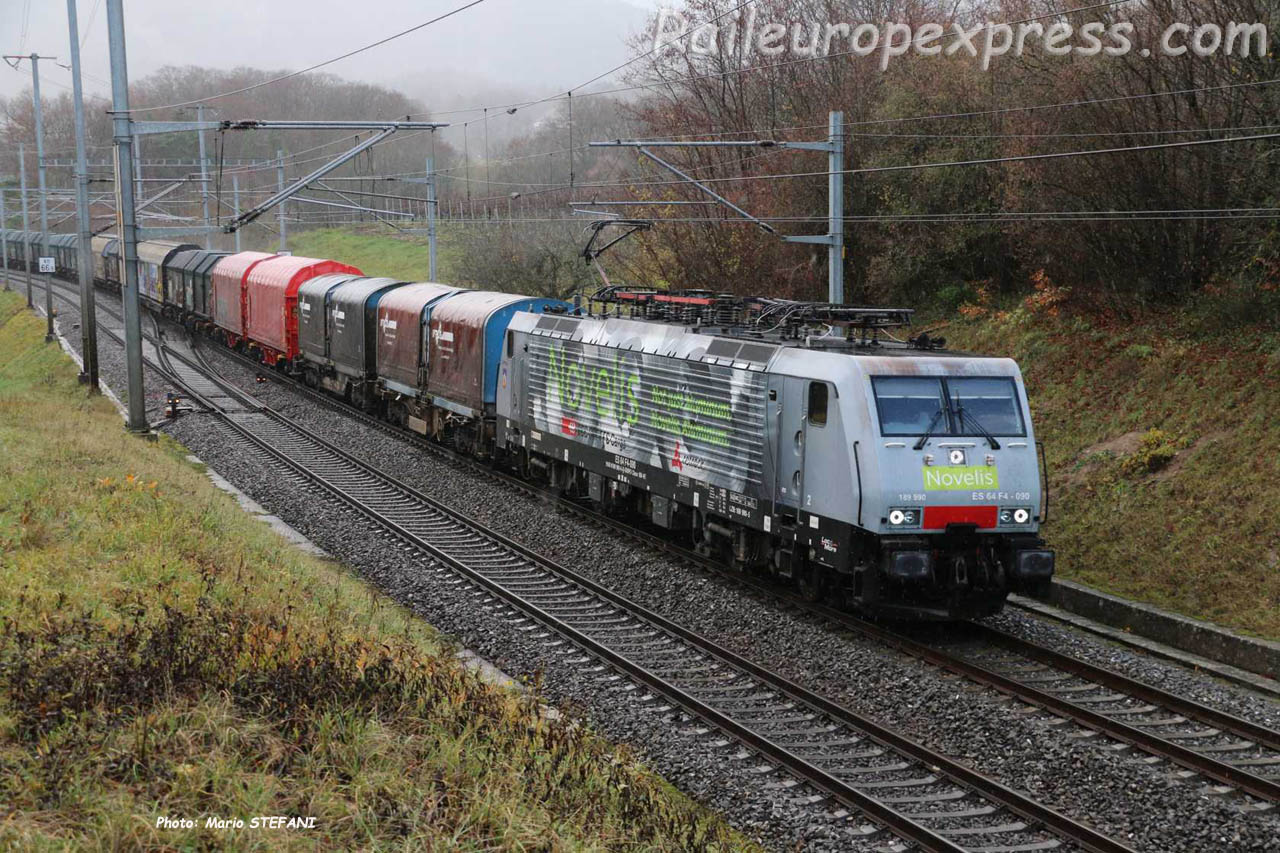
<point>904,516</point>
<point>928,459</point>
<point>1012,515</point>
<point>957,457</point>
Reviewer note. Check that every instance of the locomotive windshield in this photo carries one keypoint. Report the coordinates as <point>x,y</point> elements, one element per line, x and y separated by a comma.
<point>947,406</point>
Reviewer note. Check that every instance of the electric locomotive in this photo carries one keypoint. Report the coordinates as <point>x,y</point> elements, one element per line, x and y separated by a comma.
<point>793,438</point>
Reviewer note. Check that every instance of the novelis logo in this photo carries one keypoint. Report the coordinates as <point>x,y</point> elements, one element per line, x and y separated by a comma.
<point>587,385</point>
<point>608,390</point>
<point>961,477</point>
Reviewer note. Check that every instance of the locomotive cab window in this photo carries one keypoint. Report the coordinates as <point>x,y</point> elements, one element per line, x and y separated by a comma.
<point>818,403</point>
<point>948,406</point>
<point>908,404</point>
<point>980,404</point>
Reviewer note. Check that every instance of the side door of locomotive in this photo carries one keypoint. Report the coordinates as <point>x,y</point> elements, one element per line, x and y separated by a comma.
<point>832,492</point>
<point>510,372</point>
<point>786,420</point>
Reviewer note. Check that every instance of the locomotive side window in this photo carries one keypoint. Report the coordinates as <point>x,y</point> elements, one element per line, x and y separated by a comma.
<point>818,403</point>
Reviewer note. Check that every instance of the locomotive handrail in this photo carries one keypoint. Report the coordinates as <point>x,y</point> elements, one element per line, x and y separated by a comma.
<point>857,468</point>
<point>1044,482</point>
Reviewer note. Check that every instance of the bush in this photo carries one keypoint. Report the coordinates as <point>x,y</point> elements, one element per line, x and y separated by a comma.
<point>1155,451</point>
<point>1046,297</point>
<point>951,296</point>
<point>538,260</point>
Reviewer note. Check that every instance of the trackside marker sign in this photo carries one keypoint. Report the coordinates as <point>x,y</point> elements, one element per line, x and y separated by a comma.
<point>961,478</point>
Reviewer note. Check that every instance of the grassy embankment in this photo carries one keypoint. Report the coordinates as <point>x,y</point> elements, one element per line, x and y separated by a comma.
<point>162,654</point>
<point>1162,443</point>
<point>374,249</point>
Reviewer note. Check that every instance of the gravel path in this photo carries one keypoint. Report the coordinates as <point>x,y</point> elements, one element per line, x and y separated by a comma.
<point>1120,791</point>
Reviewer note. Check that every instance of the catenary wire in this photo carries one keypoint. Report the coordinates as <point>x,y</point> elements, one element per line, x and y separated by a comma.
<point>483,110</point>
<point>346,55</point>
<point>447,171</point>
<point>908,219</point>
<point>936,116</point>
<point>750,69</point>
<point>911,166</point>
<point>88,27</point>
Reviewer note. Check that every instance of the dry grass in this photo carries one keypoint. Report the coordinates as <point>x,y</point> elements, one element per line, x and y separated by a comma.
<point>165,655</point>
<point>1162,447</point>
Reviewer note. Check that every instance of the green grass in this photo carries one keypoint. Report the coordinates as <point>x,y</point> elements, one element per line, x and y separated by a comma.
<point>1162,449</point>
<point>375,249</point>
<point>166,655</point>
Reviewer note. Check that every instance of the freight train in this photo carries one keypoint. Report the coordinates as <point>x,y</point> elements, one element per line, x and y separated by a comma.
<point>801,440</point>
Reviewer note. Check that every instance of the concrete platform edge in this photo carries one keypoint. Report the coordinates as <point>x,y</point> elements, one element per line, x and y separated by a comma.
<point>1249,661</point>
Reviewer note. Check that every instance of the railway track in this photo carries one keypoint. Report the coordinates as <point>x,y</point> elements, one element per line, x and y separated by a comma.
<point>1234,752</point>
<point>115,329</point>
<point>801,745</point>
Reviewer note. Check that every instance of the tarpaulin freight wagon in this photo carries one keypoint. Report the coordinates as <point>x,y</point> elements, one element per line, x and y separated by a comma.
<point>271,302</point>
<point>467,332</point>
<point>313,311</point>
<point>353,325</point>
<point>229,292</point>
<point>404,325</point>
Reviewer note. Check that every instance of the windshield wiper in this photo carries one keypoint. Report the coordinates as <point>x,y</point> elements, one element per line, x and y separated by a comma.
<point>991,439</point>
<point>928,431</point>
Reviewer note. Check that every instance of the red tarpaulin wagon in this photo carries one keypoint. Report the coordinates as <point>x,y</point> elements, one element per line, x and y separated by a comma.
<point>228,292</point>
<point>271,302</point>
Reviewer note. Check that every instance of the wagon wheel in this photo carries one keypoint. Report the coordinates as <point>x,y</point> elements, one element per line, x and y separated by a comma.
<point>752,546</point>
<point>810,581</point>
<point>703,541</point>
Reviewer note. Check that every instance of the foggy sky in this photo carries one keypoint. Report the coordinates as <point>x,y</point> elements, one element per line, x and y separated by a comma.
<point>499,50</point>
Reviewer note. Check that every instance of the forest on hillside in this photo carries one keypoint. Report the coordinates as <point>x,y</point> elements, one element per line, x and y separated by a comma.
<point>1158,226</point>
<point>1018,234</point>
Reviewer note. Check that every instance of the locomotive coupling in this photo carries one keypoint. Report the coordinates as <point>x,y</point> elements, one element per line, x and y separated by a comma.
<point>1032,565</point>
<point>908,566</point>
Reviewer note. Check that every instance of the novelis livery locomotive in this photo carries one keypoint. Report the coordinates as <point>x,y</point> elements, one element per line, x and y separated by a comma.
<point>802,440</point>
<point>790,438</point>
